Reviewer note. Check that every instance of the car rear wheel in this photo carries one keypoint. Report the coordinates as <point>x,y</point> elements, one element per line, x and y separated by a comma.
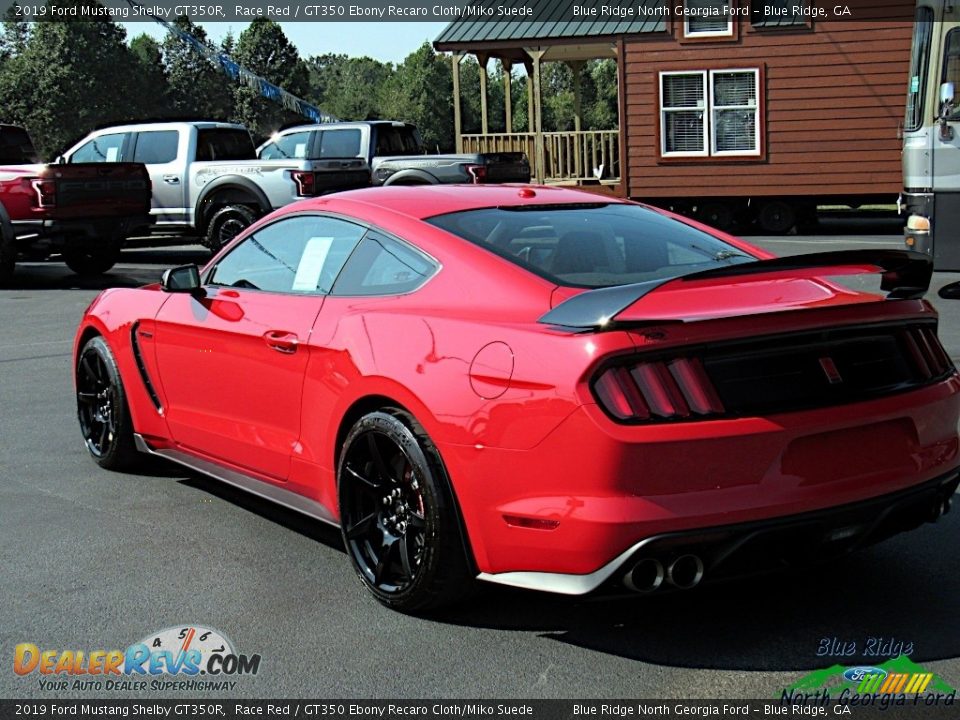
<point>398,517</point>
<point>226,224</point>
<point>102,408</point>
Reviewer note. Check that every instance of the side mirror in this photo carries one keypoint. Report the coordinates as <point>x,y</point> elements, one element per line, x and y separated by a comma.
<point>61,160</point>
<point>946,93</point>
<point>183,279</point>
<point>950,292</point>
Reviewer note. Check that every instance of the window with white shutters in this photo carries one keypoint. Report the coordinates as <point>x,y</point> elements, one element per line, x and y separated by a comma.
<point>707,18</point>
<point>715,112</point>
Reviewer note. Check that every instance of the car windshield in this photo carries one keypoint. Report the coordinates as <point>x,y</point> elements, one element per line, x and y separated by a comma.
<point>592,245</point>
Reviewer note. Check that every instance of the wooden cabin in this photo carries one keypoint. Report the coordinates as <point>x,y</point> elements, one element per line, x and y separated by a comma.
<point>757,119</point>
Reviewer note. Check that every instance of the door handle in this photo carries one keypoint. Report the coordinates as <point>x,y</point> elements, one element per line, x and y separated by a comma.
<point>171,179</point>
<point>281,341</point>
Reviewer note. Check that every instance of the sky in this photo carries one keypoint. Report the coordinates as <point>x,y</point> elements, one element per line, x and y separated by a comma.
<point>388,42</point>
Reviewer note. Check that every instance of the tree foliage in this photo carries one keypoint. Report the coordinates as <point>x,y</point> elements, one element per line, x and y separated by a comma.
<point>264,49</point>
<point>196,87</point>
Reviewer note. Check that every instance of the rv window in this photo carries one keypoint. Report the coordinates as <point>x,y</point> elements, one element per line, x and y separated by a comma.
<point>919,63</point>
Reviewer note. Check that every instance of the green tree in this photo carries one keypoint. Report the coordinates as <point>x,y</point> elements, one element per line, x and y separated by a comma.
<point>264,49</point>
<point>421,91</point>
<point>197,87</point>
<point>15,34</point>
<point>67,79</point>
<point>149,81</point>
<point>349,88</point>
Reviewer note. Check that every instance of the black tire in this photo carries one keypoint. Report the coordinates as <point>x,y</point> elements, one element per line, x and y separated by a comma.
<point>8,261</point>
<point>226,224</point>
<point>92,258</point>
<point>776,217</point>
<point>102,408</point>
<point>398,517</point>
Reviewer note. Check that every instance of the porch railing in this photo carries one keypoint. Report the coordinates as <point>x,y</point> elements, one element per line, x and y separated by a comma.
<point>568,156</point>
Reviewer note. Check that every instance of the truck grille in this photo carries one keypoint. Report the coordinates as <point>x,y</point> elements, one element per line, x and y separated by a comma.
<point>774,375</point>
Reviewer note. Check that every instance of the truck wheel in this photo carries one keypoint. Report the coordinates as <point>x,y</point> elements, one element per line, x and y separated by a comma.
<point>776,217</point>
<point>226,224</point>
<point>717,215</point>
<point>92,259</point>
<point>8,259</point>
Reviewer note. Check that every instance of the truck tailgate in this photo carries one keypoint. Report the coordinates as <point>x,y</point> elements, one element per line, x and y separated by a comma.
<point>334,174</point>
<point>98,190</point>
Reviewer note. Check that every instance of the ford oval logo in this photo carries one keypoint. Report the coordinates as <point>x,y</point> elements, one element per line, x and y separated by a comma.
<point>856,674</point>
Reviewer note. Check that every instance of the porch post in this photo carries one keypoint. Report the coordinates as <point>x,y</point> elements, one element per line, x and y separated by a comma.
<point>507,67</point>
<point>482,60</point>
<point>536,55</point>
<point>578,141</point>
<point>457,123</point>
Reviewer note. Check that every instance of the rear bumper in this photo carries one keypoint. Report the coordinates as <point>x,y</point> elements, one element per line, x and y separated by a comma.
<point>732,551</point>
<point>602,488</point>
<point>69,230</point>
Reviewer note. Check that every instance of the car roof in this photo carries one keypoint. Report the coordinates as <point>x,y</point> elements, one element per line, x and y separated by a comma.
<point>424,201</point>
<point>339,125</point>
<point>171,125</point>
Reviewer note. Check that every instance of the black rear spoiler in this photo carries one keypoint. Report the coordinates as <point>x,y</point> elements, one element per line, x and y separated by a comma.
<point>905,276</point>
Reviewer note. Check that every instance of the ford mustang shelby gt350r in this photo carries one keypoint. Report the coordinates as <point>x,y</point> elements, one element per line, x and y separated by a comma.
<point>537,387</point>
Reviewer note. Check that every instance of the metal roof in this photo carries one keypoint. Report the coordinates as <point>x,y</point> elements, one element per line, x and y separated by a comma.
<point>549,20</point>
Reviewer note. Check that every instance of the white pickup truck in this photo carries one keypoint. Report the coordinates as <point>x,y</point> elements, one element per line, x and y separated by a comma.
<point>207,180</point>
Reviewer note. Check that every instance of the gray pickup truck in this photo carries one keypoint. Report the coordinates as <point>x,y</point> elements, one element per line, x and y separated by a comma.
<point>207,179</point>
<point>395,154</point>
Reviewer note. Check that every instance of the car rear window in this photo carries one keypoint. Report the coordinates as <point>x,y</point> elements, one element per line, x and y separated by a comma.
<point>340,144</point>
<point>225,144</point>
<point>393,140</point>
<point>592,245</point>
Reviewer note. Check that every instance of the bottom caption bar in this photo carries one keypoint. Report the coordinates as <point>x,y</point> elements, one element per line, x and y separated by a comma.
<point>944,707</point>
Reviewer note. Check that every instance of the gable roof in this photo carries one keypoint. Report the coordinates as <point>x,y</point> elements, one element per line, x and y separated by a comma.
<point>550,20</point>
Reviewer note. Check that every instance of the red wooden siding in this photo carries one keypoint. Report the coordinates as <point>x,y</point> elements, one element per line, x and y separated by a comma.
<point>833,99</point>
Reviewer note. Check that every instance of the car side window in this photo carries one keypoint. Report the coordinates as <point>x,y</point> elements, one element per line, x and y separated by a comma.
<point>294,145</point>
<point>105,148</point>
<point>301,254</point>
<point>340,143</point>
<point>156,147</point>
<point>383,266</point>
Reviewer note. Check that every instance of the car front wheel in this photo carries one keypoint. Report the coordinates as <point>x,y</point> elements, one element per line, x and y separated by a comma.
<point>398,517</point>
<point>102,407</point>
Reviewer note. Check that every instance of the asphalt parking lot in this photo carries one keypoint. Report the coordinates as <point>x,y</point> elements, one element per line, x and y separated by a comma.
<point>97,560</point>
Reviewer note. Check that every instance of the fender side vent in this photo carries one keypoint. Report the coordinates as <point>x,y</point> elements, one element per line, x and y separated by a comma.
<point>138,356</point>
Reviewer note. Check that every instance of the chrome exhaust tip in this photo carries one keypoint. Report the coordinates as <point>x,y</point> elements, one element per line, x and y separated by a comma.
<point>685,572</point>
<point>645,576</point>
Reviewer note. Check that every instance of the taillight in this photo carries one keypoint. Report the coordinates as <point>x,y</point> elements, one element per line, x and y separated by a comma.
<point>478,173</point>
<point>46,191</point>
<point>305,181</point>
<point>929,357</point>
<point>676,389</point>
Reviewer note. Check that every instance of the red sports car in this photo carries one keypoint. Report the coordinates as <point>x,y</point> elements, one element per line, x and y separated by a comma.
<point>534,386</point>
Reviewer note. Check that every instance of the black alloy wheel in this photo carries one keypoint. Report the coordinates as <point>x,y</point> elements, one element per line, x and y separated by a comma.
<point>398,520</point>
<point>102,407</point>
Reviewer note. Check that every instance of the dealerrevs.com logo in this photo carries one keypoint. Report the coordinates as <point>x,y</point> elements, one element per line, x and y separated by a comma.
<point>186,657</point>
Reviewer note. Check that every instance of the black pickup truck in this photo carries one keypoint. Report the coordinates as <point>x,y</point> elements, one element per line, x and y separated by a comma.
<point>395,153</point>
